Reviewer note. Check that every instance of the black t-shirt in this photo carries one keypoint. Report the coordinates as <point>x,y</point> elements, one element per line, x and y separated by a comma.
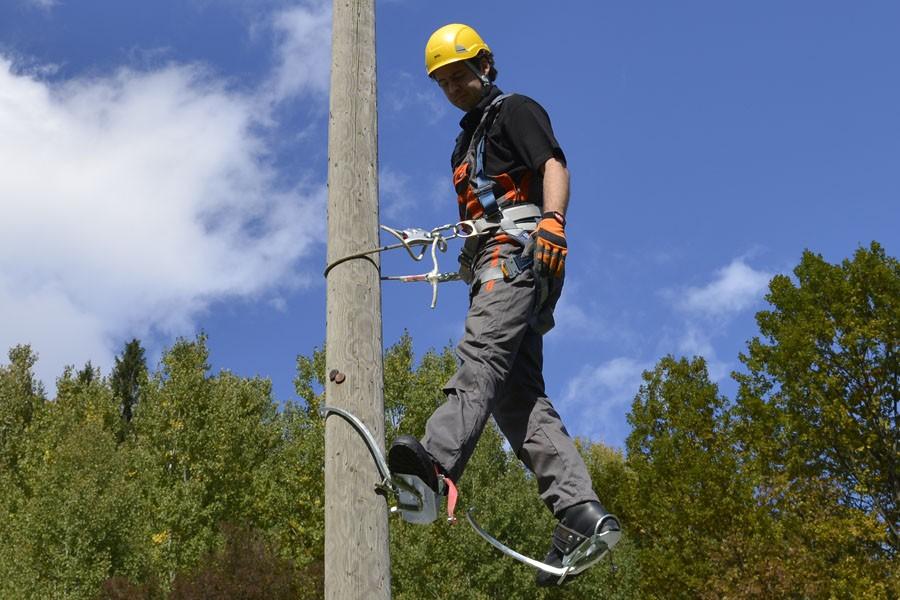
<point>518,141</point>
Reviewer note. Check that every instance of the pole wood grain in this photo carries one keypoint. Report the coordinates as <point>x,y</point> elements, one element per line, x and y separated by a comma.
<point>357,561</point>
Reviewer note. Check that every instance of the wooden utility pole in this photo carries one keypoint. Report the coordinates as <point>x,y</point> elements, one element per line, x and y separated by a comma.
<point>357,562</point>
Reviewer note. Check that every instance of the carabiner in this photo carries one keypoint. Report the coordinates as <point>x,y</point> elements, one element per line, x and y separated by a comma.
<point>465,229</point>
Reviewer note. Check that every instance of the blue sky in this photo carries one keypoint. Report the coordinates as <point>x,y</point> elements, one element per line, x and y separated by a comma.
<point>164,166</point>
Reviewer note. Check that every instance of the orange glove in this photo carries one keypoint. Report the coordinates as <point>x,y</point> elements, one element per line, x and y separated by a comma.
<point>550,245</point>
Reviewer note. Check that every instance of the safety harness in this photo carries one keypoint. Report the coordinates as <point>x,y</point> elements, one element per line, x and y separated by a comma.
<point>482,214</point>
<point>491,215</point>
<point>475,188</point>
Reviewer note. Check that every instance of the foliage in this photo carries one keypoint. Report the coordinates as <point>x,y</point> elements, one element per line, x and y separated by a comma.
<point>824,383</point>
<point>71,521</point>
<point>211,488</point>
<point>84,505</point>
<point>687,494</point>
<point>128,377</point>
<point>21,397</point>
<point>245,567</point>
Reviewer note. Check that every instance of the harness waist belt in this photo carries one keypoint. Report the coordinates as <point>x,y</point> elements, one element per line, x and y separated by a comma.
<point>515,221</point>
<point>512,220</point>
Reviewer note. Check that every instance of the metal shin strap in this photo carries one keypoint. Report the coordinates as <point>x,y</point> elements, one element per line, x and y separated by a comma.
<point>566,540</point>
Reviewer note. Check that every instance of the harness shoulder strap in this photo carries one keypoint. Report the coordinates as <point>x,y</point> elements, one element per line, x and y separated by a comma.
<point>481,184</point>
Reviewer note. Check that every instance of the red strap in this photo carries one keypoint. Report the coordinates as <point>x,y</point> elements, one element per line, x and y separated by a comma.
<point>452,495</point>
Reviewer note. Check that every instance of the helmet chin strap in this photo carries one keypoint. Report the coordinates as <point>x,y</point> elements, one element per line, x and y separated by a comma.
<point>485,82</point>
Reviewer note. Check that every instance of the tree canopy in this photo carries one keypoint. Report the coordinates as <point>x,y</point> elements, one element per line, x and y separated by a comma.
<point>176,482</point>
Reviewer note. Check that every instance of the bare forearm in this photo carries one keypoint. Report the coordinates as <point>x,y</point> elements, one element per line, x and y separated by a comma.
<point>556,186</point>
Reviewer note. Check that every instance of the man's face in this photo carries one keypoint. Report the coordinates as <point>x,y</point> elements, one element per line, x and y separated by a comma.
<point>462,88</point>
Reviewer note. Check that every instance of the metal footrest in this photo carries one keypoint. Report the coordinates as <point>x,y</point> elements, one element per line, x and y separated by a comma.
<point>582,557</point>
<point>416,502</point>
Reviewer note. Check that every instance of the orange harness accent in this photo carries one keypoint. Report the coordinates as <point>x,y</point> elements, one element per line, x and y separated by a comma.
<point>475,188</point>
<point>470,206</point>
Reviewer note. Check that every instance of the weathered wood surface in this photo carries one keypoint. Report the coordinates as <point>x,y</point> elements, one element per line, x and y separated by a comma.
<point>357,561</point>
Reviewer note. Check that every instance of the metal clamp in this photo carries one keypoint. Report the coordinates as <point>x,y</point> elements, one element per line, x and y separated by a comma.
<point>416,242</point>
<point>434,276</point>
<point>415,501</point>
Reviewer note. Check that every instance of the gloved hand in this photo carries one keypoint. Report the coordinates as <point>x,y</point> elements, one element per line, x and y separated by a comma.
<point>550,245</point>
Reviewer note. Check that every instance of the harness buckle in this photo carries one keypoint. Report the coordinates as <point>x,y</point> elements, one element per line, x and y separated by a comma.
<point>515,265</point>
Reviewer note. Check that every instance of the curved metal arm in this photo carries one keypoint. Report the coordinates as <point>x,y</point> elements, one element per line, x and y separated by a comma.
<point>409,238</point>
<point>434,276</point>
<point>363,431</point>
<point>560,571</point>
<point>412,504</point>
<point>585,555</point>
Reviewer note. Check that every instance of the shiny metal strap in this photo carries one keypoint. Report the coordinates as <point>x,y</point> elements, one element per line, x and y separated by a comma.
<point>587,553</point>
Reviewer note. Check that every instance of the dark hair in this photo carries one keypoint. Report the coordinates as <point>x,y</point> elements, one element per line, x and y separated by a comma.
<point>489,57</point>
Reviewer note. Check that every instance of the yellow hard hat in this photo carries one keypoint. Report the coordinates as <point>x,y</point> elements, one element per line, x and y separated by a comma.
<point>452,43</point>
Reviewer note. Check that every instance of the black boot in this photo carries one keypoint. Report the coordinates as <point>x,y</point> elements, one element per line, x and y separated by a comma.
<point>576,524</point>
<point>408,457</point>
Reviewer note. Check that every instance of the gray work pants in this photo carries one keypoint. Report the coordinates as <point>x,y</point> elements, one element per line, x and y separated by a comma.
<point>500,374</point>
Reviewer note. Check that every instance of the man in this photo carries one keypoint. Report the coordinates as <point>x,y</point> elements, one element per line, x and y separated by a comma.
<point>511,177</point>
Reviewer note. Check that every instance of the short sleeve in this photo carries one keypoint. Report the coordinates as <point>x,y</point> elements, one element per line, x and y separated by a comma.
<point>527,127</point>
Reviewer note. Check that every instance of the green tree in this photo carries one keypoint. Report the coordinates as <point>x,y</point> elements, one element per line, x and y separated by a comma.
<point>822,383</point>
<point>688,495</point>
<point>128,377</point>
<point>290,486</point>
<point>73,524</point>
<point>21,397</point>
<point>21,401</point>
<point>88,512</point>
<point>616,486</point>
<point>246,567</point>
<point>202,440</point>
<point>88,374</point>
<point>817,425</point>
<point>83,506</point>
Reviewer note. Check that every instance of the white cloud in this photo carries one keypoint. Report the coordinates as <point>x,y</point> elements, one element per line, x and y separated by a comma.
<point>304,51</point>
<point>439,187</point>
<point>584,314</point>
<point>735,288</point>
<point>60,332</point>
<point>405,200</point>
<point>572,319</point>
<point>602,394</point>
<point>397,201</point>
<point>708,311</point>
<point>697,341</point>
<point>405,91</point>
<point>129,202</point>
<point>44,4</point>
